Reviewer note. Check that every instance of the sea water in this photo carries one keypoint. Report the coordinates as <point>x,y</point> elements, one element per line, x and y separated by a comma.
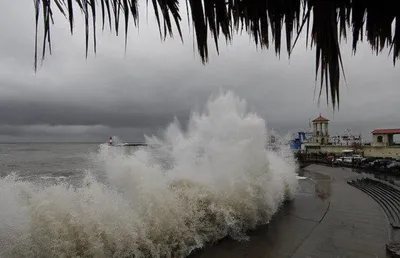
<point>217,178</point>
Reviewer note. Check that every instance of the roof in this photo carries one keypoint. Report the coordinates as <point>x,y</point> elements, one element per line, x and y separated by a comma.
<point>320,119</point>
<point>386,131</point>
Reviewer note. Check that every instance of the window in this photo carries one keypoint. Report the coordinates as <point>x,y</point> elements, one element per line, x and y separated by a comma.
<point>380,138</point>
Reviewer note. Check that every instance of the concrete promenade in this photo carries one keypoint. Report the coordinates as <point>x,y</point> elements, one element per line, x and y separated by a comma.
<point>329,218</point>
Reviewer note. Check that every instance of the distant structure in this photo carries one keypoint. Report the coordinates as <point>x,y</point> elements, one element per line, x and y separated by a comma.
<point>382,145</point>
<point>346,139</point>
<point>320,130</point>
<point>298,141</point>
<point>313,137</point>
<point>384,137</point>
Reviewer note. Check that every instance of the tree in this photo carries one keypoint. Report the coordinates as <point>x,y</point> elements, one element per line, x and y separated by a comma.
<point>357,147</point>
<point>326,23</point>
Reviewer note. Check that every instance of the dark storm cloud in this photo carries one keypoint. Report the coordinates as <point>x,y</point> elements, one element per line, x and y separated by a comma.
<point>26,113</point>
<point>110,93</point>
<point>64,133</point>
<point>39,130</point>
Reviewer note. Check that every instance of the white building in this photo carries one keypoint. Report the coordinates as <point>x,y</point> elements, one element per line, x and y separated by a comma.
<point>346,139</point>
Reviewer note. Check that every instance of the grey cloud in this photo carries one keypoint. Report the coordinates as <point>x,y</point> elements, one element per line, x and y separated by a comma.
<point>49,130</point>
<point>63,133</point>
<point>142,91</point>
<point>22,113</point>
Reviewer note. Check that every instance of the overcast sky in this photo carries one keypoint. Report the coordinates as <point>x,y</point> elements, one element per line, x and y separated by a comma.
<point>73,99</point>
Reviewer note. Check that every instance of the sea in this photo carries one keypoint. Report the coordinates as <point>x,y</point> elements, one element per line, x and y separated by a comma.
<point>47,163</point>
<point>186,189</point>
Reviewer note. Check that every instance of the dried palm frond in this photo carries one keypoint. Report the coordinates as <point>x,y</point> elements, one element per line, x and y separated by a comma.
<point>259,18</point>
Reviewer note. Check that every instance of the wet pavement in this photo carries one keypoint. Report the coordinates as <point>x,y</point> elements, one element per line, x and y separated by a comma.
<point>329,218</point>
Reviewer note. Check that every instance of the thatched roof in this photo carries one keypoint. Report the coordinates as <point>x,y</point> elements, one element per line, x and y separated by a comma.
<point>325,21</point>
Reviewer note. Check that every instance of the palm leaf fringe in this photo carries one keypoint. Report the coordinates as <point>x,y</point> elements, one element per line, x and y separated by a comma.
<point>261,19</point>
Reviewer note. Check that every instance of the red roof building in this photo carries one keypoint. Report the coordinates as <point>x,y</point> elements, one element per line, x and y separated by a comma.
<point>386,131</point>
<point>320,119</point>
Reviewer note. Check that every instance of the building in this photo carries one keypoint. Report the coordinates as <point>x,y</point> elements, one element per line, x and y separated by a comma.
<point>320,130</point>
<point>383,144</point>
<point>298,141</point>
<point>384,137</point>
<point>321,136</point>
<point>346,139</point>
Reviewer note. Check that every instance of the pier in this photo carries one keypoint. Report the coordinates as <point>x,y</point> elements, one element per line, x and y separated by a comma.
<point>134,144</point>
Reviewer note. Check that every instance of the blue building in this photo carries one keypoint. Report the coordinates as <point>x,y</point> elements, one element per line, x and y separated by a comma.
<point>297,143</point>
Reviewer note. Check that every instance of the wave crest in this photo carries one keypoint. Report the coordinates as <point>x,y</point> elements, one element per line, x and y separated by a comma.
<point>215,179</point>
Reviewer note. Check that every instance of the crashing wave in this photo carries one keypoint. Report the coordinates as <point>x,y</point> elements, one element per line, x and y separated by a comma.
<point>185,189</point>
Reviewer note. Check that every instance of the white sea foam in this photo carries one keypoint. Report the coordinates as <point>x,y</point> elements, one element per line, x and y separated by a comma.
<point>187,188</point>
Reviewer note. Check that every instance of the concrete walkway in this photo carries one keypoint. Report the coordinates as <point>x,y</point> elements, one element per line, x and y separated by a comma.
<point>329,218</point>
<point>354,226</point>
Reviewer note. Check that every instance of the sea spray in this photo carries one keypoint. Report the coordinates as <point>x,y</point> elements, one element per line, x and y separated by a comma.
<point>218,178</point>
